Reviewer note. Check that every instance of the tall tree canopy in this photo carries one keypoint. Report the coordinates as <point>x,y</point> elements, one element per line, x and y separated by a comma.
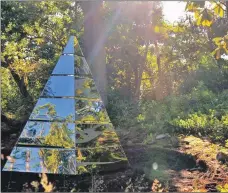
<point>33,36</point>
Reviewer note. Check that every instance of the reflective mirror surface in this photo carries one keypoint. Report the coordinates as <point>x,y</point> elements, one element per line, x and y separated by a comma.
<point>81,67</point>
<point>48,134</point>
<point>65,65</point>
<point>58,86</point>
<point>100,159</point>
<point>100,155</point>
<point>91,112</point>
<point>60,109</point>
<point>96,135</point>
<point>68,131</point>
<point>69,49</point>
<point>28,159</point>
<point>77,48</point>
<point>85,88</point>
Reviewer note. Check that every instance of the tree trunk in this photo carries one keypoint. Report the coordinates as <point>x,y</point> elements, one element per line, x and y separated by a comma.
<point>159,88</point>
<point>128,91</point>
<point>21,85</point>
<point>94,44</point>
<point>139,73</point>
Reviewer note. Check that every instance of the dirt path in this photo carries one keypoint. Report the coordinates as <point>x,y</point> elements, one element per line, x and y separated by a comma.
<point>189,166</point>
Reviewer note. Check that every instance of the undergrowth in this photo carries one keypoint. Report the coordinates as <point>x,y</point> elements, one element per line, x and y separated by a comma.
<point>200,112</point>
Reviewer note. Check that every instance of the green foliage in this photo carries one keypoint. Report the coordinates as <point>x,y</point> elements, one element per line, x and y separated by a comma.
<point>33,35</point>
<point>60,135</point>
<point>11,104</point>
<point>122,112</point>
<point>214,77</point>
<point>200,112</point>
<point>204,124</point>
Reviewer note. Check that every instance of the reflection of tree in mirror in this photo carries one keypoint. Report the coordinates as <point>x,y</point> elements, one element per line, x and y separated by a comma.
<point>89,135</point>
<point>107,137</point>
<point>48,89</point>
<point>51,159</point>
<point>91,111</point>
<point>27,160</point>
<point>83,168</point>
<point>60,135</point>
<point>17,155</point>
<point>86,88</point>
<point>86,168</point>
<point>102,155</point>
<point>57,161</point>
<point>77,48</point>
<point>81,67</point>
<point>109,154</point>
<point>97,159</point>
<point>48,111</point>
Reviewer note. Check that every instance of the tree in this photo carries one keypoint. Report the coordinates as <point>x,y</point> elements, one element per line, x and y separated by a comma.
<point>33,36</point>
<point>212,17</point>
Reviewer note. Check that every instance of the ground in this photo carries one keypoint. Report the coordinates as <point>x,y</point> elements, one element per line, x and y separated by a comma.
<point>170,163</point>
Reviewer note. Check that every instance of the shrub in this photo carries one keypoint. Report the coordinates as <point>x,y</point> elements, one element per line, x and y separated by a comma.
<point>122,112</point>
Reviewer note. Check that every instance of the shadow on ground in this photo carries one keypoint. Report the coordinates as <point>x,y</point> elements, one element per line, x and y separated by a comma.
<point>147,164</point>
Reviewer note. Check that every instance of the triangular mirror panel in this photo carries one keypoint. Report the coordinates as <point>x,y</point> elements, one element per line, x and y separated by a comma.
<point>69,49</point>
<point>65,65</point>
<point>69,130</point>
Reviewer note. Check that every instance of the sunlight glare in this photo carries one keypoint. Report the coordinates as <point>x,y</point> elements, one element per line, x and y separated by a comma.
<point>155,166</point>
<point>173,10</point>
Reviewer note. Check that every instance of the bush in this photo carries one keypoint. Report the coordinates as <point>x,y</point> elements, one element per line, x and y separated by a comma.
<point>201,112</point>
<point>122,112</point>
<point>214,78</point>
<point>203,124</point>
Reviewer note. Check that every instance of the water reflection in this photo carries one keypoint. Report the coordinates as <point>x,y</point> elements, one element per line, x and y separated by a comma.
<point>48,134</point>
<point>96,135</point>
<point>91,112</point>
<point>85,87</point>
<point>65,65</point>
<point>69,49</point>
<point>58,86</point>
<point>39,160</point>
<point>81,67</point>
<point>54,109</point>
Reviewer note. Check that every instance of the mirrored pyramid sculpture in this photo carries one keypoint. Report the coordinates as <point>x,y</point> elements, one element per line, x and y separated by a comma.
<point>69,130</point>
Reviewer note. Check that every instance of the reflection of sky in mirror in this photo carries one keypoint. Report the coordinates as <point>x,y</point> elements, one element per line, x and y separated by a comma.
<point>69,49</point>
<point>24,159</point>
<point>48,134</point>
<point>37,160</point>
<point>40,129</point>
<point>65,65</point>
<point>53,109</point>
<point>85,87</point>
<point>58,86</point>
